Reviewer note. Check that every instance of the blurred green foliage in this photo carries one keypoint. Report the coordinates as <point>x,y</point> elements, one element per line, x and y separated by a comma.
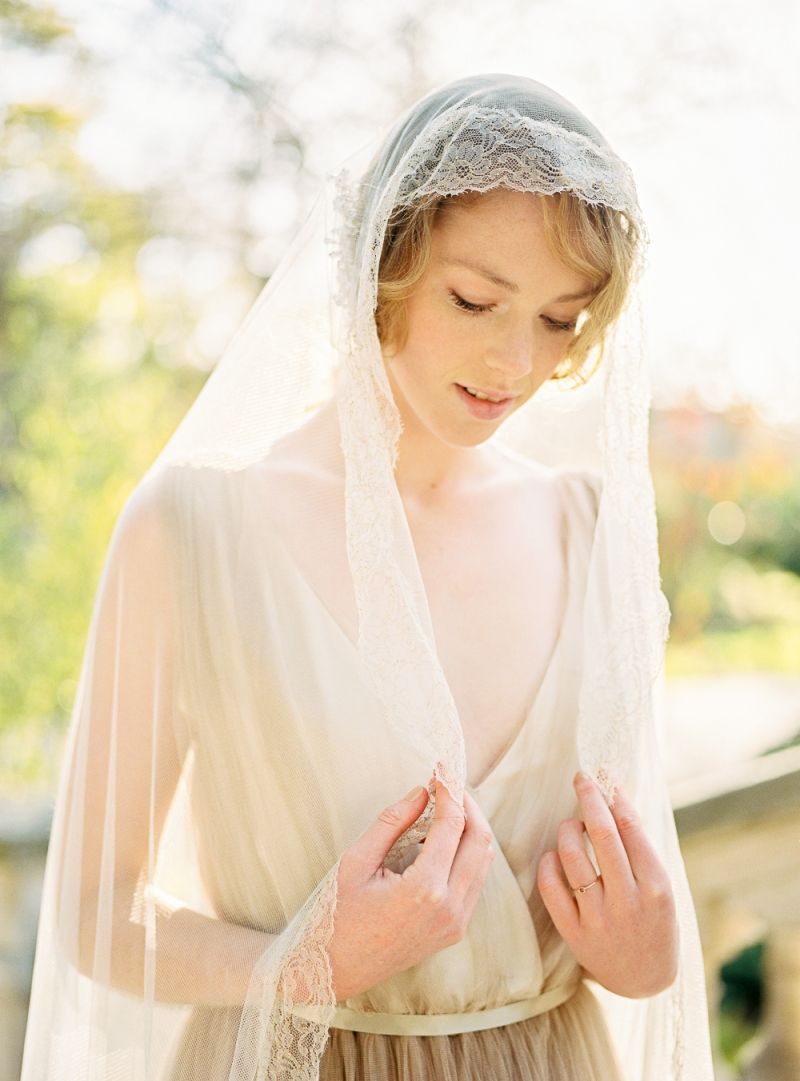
<point>728,497</point>
<point>75,431</point>
<point>742,1000</point>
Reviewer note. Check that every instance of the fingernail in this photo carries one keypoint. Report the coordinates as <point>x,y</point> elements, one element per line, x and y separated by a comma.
<point>415,793</point>
<point>582,778</point>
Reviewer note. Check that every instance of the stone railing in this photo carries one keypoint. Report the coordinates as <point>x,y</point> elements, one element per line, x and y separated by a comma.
<point>740,837</point>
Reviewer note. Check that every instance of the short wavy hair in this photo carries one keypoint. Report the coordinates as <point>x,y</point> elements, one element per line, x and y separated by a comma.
<point>598,242</point>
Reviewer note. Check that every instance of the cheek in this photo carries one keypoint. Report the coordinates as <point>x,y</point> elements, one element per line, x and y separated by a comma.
<point>435,339</point>
<point>440,339</point>
<point>554,347</point>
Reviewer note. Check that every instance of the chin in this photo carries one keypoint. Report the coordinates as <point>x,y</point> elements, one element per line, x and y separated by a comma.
<point>464,437</point>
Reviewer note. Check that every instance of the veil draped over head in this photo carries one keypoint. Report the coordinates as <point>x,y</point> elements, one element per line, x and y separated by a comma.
<point>191,881</point>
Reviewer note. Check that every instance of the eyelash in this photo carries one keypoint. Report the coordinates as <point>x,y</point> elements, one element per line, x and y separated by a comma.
<point>478,309</point>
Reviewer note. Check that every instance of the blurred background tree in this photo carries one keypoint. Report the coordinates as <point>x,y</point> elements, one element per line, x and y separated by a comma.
<point>88,392</point>
<point>728,496</point>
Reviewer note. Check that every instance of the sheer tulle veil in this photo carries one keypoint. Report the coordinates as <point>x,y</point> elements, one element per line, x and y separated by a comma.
<point>144,950</point>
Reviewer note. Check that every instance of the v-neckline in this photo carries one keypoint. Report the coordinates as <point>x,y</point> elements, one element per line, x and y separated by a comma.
<point>517,737</point>
<point>550,667</point>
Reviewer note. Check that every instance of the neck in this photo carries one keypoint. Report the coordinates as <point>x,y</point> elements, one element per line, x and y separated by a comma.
<point>430,471</point>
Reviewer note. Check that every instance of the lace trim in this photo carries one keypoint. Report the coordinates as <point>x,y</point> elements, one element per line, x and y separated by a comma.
<point>283,1043</point>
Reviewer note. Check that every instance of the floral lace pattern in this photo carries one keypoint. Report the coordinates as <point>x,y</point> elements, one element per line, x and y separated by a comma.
<point>283,1042</point>
<point>480,147</point>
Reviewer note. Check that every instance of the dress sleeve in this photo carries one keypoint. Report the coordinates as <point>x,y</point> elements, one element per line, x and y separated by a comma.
<point>128,953</point>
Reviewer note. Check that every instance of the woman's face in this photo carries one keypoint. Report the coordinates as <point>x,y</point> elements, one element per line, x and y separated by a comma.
<point>509,344</point>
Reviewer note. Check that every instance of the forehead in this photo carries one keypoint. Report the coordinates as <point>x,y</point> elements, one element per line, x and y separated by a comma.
<point>500,235</point>
<point>499,200</point>
<point>498,220</point>
<point>498,214</point>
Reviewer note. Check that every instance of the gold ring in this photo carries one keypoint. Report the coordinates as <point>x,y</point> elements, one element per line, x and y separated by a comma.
<point>583,889</point>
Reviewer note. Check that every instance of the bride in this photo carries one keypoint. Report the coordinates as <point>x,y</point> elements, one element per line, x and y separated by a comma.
<point>375,558</point>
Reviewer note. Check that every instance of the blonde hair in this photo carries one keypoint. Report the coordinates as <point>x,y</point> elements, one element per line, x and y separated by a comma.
<point>596,241</point>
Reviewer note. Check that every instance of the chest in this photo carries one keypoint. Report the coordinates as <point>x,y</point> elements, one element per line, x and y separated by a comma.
<point>494,567</point>
<point>495,575</point>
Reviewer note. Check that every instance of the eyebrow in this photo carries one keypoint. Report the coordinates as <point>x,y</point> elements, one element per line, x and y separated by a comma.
<point>511,286</point>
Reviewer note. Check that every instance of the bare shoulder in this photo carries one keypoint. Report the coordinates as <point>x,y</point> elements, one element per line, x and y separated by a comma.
<point>571,486</point>
<point>517,466</point>
<point>310,454</point>
<point>144,518</point>
<point>512,466</point>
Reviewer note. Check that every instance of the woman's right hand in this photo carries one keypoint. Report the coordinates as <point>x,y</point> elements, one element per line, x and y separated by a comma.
<point>386,922</point>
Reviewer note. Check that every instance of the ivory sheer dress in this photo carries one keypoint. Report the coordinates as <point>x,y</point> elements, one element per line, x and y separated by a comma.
<point>258,631</point>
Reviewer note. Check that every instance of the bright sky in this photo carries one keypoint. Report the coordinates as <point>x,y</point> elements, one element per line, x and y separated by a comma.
<point>702,100</point>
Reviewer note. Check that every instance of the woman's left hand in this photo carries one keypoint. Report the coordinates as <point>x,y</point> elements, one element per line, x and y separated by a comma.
<point>623,930</point>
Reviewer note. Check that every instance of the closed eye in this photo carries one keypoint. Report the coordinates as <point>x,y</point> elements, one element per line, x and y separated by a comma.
<point>477,309</point>
<point>553,324</point>
<point>466,306</point>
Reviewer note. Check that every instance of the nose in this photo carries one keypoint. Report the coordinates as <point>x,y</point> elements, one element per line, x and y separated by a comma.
<point>513,357</point>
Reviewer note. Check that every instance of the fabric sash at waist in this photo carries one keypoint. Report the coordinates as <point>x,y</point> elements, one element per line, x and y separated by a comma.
<point>442,1024</point>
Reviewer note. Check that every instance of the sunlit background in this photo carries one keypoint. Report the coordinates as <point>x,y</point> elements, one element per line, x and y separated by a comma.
<point>155,161</point>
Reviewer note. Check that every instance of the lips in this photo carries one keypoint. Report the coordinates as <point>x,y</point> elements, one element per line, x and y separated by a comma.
<point>481,408</point>
<point>500,395</point>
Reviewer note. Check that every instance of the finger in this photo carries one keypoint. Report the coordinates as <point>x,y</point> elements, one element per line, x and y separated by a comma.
<point>578,868</point>
<point>436,856</point>
<point>557,897</point>
<point>602,829</point>
<point>473,856</point>
<point>371,848</point>
<point>645,863</point>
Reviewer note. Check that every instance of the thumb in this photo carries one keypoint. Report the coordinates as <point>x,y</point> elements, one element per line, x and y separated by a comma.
<point>374,843</point>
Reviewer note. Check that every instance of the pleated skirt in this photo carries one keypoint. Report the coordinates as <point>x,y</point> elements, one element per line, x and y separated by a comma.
<point>570,1042</point>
